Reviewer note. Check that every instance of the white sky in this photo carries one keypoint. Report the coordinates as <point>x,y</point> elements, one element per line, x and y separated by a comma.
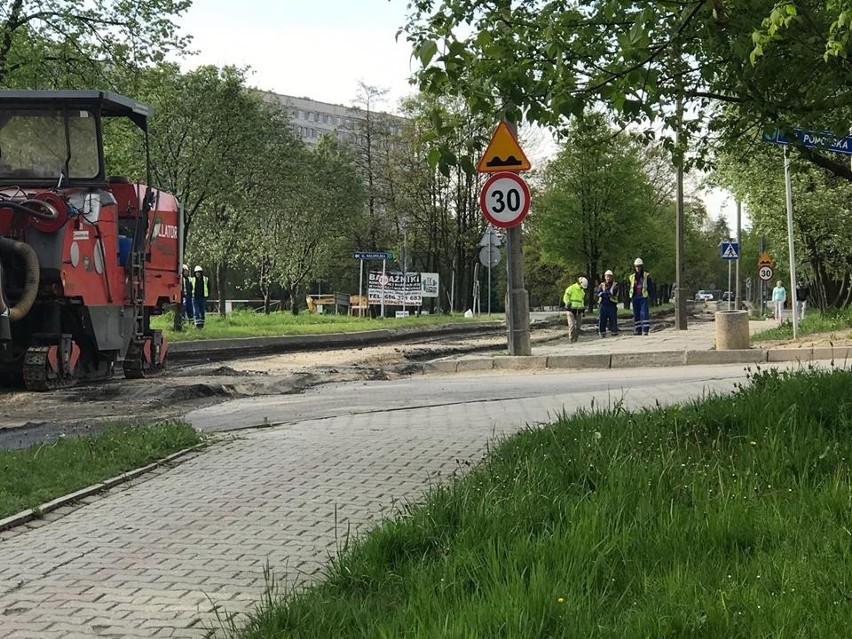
<point>321,49</point>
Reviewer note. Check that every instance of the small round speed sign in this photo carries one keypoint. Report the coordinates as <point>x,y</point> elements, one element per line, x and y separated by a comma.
<point>505,199</point>
<point>765,273</point>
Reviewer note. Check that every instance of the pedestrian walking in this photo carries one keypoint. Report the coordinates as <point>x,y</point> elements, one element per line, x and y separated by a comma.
<point>574,300</point>
<point>802,291</point>
<point>200,292</point>
<point>779,298</point>
<point>607,293</point>
<point>641,289</point>
<point>186,293</point>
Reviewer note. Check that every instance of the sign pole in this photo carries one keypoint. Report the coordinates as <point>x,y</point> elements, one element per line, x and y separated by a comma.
<point>518,311</point>
<point>730,301</point>
<point>384,280</point>
<point>792,296</point>
<point>361,288</point>
<point>760,300</point>
<point>737,297</point>
<point>489,274</point>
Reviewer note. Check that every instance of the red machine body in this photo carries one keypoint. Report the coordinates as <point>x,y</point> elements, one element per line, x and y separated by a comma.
<point>85,260</point>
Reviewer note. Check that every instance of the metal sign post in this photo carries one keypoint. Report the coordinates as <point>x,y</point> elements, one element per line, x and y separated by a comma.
<point>789,188</point>
<point>505,200</point>
<point>370,255</point>
<point>730,252</point>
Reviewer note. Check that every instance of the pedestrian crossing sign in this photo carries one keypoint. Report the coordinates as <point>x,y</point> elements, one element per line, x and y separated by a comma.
<point>730,250</point>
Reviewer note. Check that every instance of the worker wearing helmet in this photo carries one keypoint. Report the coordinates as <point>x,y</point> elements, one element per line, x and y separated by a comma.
<point>200,292</point>
<point>641,288</point>
<point>186,293</point>
<point>607,294</point>
<point>574,300</point>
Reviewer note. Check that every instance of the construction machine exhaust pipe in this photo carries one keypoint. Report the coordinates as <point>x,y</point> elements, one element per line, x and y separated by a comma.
<point>19,310</point>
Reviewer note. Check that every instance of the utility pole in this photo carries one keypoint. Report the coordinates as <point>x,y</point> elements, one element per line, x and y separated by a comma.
<point>680,297</point>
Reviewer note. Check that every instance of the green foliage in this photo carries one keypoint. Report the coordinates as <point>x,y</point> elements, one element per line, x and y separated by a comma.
<point>594,200</point>
<point>35,475</point>
<point>837,322</point>
<point>822,217</point>
<point>739,66</point>
<point>77,44</point>
<point>726,518</point>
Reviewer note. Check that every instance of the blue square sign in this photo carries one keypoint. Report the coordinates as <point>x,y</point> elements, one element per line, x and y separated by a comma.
<point>730,250</point>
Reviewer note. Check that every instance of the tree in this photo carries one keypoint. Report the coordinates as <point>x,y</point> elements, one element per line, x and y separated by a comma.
<point>441,203</point>
<point>822,217</point>
<point>307,207</point>
<point>65,43</point>
<point>548,60</point>
<point>593,202</point>
<point>204,137</point>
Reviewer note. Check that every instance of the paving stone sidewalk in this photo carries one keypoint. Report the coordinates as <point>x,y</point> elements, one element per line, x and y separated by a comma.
<point>152,559</point>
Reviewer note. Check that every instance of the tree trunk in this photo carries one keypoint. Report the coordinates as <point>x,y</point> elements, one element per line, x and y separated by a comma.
<point>221,275</point>
<point>294,299</point>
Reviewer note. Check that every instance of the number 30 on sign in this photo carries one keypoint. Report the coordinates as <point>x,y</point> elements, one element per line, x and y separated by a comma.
<point>505,199</point>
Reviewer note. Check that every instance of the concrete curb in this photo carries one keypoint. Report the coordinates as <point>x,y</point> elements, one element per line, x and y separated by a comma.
<point>636,360</point>
<point>26,516</point>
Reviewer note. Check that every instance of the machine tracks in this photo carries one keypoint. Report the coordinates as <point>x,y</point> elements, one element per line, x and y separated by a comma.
<point>39,374</point>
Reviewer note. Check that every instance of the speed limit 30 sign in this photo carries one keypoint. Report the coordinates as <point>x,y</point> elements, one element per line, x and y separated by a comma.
<point>505,199</point>
<point>765,273</point>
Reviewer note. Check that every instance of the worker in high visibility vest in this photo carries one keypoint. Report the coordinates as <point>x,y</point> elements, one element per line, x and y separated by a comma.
<point>574,300</point>
<point>200,292</point>
<point>641,289</point>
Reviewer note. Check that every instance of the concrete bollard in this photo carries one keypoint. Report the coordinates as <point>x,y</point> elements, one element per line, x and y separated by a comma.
<point>732,330</point>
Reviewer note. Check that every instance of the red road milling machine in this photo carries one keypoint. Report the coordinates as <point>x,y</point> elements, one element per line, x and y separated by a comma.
<point>85,259</point>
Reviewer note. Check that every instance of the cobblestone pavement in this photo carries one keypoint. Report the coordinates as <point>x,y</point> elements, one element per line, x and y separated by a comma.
<point>155,557</point>
<point>152,559</point>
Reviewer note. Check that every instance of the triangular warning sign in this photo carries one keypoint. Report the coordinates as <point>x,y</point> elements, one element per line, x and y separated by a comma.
<point>503,153</point>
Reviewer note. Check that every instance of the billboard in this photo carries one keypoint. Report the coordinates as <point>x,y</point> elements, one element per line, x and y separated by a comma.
<point>395,288</point>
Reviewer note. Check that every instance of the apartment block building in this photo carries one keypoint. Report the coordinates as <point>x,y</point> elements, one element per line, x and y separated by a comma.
<point>312,119</point>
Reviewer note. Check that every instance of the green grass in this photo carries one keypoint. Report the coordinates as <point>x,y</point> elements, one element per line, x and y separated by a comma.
<point>35,475</point>
<point>250,324</point>
<point>837,321</point>
<point>727,518</point>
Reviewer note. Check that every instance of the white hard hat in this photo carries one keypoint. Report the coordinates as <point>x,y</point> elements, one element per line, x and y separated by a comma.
<point>608,273</point>
<point>184,267</point>
<point>197,269</point>
<point>584,282</point>
<point>638,262</point>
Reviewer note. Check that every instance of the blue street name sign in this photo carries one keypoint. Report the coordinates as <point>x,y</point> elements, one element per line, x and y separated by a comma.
<point>730,250</point>
<point>374,255</point>
<point>824,141</point>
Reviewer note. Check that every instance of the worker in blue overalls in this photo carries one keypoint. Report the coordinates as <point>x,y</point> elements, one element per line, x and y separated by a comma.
<point>641,288</point>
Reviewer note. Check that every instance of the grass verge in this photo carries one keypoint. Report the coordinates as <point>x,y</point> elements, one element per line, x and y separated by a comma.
<point>726,518</point>
<point>838,321</point>
<point>249,324</point>
<point>35,475</point>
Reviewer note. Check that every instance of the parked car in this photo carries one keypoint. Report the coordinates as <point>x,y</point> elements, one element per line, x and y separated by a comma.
<point>729,296</point>
<point>703,296</point>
